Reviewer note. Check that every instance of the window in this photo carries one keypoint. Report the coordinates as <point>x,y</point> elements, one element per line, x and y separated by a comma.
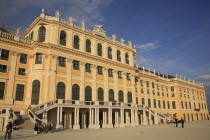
<point>158,93</point>
<point>88,46</point>
<point>128,76</point>
<point>147,82</point>
<point>186,105</point>
<point>141,82</point>
<point>32,34</point>
<point>22,71</point>
<point>4,54</point>
<point>172,95</point>
<point>19,92</point>
<point>23,58</point>
<point>35,92</point>
<point>87,67</point>
<point>159,105</point>
<point>190,105</point>
<point>118,56</point>
<point>162,88</point>
<point>137,100</point>
<point>38,58</point>
<point>76,42</point>
<point>120,74</point>
<point>149,103</point>
<point>110,72</point>
<point>99,49</point>
<point>60,94</point>
<point>142,101</point>
<point>121,96</point>
<point>2,88</point>
<point>172,88</point>
<point>182,104</point>
<point>63,38</point>
<point>88,93</point>
<point>153,92</point>
<point>129,96</point>
<point>173,104</point>
<point>126,58</point>
<point>100,94</point>
<point>61,61</point>
<point>42,33</point>
<point>162,94</point>
<point>154,100</point>
<point>167,95</point>
<point>157,87</point>
<point>75,92</point>
<point>75,64</point>
<point>142,90</point>
<point>168,104</point>
<point>3,68</point>
<point>166,88</point>
<point>148,91</point>
<point>111,95</point>
<point>100,70</point>
<point>164,105</point>
<point>153,85</point>
<point>109,53</point>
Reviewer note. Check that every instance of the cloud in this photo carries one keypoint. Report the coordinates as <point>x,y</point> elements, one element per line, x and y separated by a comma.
<point>147,46</point>
<point>143,62</point>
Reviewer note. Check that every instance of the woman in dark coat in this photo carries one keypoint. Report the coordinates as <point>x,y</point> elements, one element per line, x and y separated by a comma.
<point>36,128</point>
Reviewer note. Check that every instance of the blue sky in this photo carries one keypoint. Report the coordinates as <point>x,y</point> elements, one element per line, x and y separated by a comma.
<point>172,36</point>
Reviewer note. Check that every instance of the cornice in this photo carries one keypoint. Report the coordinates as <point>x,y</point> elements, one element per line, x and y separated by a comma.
<point>16,43</point>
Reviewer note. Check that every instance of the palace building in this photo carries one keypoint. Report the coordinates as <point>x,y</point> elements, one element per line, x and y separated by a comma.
<point>81,78</point>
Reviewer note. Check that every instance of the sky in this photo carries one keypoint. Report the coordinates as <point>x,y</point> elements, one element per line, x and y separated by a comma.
<point>171,36</point>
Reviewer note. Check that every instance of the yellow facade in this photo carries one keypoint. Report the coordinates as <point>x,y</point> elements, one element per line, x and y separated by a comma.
<point>145,86</point>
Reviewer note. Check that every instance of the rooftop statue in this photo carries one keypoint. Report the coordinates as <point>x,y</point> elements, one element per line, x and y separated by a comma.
<point>100,29</point>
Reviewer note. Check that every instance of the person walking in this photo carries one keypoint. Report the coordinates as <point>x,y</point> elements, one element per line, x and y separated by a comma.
<point>8,131</point>
<point>176,120</point>
<point>182,121</point>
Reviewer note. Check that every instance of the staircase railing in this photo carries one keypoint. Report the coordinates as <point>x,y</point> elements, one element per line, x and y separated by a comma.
<point>33,116</point>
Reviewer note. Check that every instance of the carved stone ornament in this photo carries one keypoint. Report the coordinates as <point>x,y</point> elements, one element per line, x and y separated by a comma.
<point>46,55</point>
<point>99,29</point>
<point>18,31</point>
<point>122,40</point>
<point>54,56</point>
<point>130,43</point>
<point>69,60</point>
<point>15,53</point>
<point>43,10</point>
<point>71,19</point>
<point>114,36</point>
<point>31,56</point>
<point>57,13</point>
<point>83,23</point>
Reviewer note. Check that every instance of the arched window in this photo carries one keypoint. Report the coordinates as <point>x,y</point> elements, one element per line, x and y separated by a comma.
<point>75,92</point>
<point>121,96</point>
<point>111,95</point>
<point>32,34</point>
<point>100,94</point>
<point>126,58</point>
<point>109,53</point>
<point>118,56</point>
<point>63,38</point>
<point>99,49</point>
<point>88,93</point>
<point>35,92</point>
<point>129,97</point>
<point>88,46</point>
<point>60,93</point>
<point>42,33</point>
<point>76,42</point>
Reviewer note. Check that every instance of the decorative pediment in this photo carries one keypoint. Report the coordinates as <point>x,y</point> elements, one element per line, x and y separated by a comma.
<point>99,30</point>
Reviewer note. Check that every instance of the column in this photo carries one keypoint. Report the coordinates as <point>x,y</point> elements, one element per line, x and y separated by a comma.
<point>12,71</point>
<point>69,40</point>
<point>61,116</point>
<point>97,126</point>
<point>132,118</point>
<point>69,82</point>
<point>53,78</point>
<point>122,118</point>
<point>46,80</point>
<point>155,118</point>
<point>70,119</point>
<point>150,118</point>
<point>94,91</point>
<point>141,116</point>
<point>125,88</point>
<point>82,84</point>
<point>106,80</point>
<point>90,118</point>
<point>76,118</point>
<point>127,119</point>
<point>58,122</point>
<point>136,118</point>
<point>115,85</point>
<point>144,118</point>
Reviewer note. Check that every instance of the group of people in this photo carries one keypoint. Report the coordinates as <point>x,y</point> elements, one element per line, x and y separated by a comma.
<point>181,121</point>
<point>43,127</point>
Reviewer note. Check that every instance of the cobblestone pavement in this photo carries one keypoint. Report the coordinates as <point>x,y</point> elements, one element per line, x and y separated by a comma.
<point>198,130</point>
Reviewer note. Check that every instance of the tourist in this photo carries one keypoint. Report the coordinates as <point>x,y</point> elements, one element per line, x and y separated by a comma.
<point>44,127</point>
<point>182,121</point>
<point>8,131</point>
<point>36,128</point>
<point>176,120</point>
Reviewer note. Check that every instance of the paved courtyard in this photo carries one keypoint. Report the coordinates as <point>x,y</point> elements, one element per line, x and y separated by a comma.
<point>198,130</point>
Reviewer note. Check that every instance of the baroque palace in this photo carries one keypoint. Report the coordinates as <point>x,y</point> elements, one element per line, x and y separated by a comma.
<point>81,78</point>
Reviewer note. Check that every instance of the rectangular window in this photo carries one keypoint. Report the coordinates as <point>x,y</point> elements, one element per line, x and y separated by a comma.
<point>137,101</point>
<point>168,104</point>
<point>4,54</point>
<point>61,61</point>
<point>38,58</point>
<point>128,76</point>
<point>162,94</point>
<point>157,87</point>
<point>153,85</point>
<point>100,70</point>
<point>186,105</point>
<point>148,91</point>
<point>173,104</point>
<point>153,92</point>
<point>75,64</point>
<point>120,74</point>
<point>142,90</point>
<point>23,58</point>
<point>159,105</point>
<point>88,67</point>
<point>2,88</point>
<point>141,82</point>
<point>142,101</point>
<point>158,93</point>
<point>147,82</point>
<point>162,88</point>
<point>110,72</point>
<point>190,105</point>
<point>182,104</point>
<point>22,71</point>
<point>164,105</point>
<point>3,68</point>
<point>154,100</point>
<point>172,88</point>
<point>149,103</point>
<point>19,92</point>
